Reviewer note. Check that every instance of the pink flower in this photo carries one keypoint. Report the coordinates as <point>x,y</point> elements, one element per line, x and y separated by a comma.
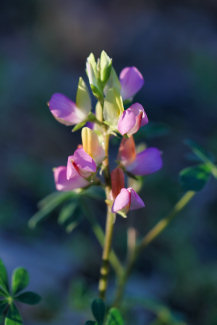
<point>80,166</point>
<point>63,184</point>
<point>66,111</point>
<point>145,162</point>
<point>81,163</point>
<point>127,200</point>
<point>132,119</point>
<point>131,81</point>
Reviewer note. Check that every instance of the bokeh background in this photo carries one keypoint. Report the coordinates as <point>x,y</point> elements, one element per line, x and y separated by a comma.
<point>44,45</point>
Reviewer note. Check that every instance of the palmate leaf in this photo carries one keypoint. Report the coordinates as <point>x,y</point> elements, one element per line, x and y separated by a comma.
<point>114,317</point>
<point>4,285</point>
<point>3,305</point>
<point>195,178</point>
<point>29,298</point>
<point>13,316</point>
<point>67,212</point>
<point>49,204</point>
<point>20,280</point>
<point>203,155</point>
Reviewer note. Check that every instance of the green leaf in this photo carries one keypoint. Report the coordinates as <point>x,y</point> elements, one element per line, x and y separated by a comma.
<point>4,285</point>
<point>3,305</point>
<point>95,192</point>
<point>67,212</point>
<point>13,316</point>
<point>194,178</point>
<point>203,155</point>
<point>114,317</point>
<point>20,280</point>
<point>50,205</point>
<point>105,66</point>
<point>83,100</point>
<point>98,310</point>
<point>113,107</point>
<point>74,221</point>
<point>29,298</point>
<point>79,126</point>
<point>90,322</point>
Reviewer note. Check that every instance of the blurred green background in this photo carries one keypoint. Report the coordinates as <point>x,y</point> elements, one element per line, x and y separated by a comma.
<point>44,45</point>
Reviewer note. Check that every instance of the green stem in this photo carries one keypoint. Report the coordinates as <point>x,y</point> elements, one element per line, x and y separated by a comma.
<point>104,270</point>
<point>114,260</point>
<point>148,238</point>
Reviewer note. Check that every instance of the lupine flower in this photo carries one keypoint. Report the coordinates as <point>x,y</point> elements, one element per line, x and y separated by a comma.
<point>131,82</point>
<point>66,111</point>
<point>91,145</point>
<point>132,119</point>
<point>80,163</point>
<point>145,162</point>
<point>117,181</point>
<point>127,200</point>
<point>63,184</point>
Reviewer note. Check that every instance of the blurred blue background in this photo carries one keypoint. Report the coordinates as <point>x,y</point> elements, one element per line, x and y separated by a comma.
<point>44,45</point>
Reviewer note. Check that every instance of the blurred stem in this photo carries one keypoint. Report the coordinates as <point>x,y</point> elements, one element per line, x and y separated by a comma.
<point>148,238</point>
<point>114,260</point>
<point>104,270</point>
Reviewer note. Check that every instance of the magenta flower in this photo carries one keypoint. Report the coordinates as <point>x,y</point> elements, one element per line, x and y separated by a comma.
<point>63,184</point>
<point>127,200</point>
<point>65,110</point>
<point>80,163</point>
<point>145,162</point>
<point>131,81</point>
<point>132,119</point>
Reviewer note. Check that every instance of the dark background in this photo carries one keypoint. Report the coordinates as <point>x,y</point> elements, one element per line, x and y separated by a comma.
<point>44,45</point>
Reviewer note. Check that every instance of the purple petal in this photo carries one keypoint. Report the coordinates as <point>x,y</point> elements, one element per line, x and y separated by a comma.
<point>139,108</point>
<point>147,162</point>
<point>126,122</point>
<point>131,82</point>
<point>62,184</point>
<point>132,119</point>
<point>136,201</point>
<point>64,110</point>
<point>122,201</point>
<point>81,163</point>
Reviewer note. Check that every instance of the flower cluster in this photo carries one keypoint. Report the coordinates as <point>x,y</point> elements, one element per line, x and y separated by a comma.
<point>115,114</point>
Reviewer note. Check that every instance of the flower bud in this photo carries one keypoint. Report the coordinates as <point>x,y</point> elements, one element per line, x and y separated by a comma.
<point>91,145</point>
<point>132,119</point>
<point>117,181</point>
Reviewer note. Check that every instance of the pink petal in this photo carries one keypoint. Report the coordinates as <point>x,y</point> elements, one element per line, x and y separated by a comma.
<point>122,201</point>
<point>126,122</point>
<point>132,119</point>
<point>147,162</point>
<point>131,82</point>
<point>64,110</point>
<point>80,162</point>
<point>136,201</point>
<point>62,184</point>
<point>139,109</point>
